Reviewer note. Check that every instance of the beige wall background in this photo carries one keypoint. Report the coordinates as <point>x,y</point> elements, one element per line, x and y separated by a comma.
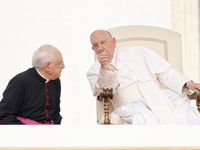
<point>185,20</point>
<point>67,24</point>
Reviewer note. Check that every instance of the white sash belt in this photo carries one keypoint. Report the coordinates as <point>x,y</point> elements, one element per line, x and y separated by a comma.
<point>126,95</point>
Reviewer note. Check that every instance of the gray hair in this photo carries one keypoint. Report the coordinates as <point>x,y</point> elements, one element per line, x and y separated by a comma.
<point>42,55</point>
<point>101,30</point>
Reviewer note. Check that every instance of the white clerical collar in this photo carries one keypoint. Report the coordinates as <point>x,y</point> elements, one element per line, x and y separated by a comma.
<point>113,61</point>
<point>47,80</point>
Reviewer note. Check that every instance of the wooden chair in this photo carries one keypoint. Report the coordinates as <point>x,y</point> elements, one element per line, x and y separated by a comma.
<point>165,42</point>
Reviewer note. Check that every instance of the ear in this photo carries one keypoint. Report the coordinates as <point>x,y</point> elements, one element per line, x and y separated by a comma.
<point>47,66</point>
<point>114,41</point>
<point>93,48</point>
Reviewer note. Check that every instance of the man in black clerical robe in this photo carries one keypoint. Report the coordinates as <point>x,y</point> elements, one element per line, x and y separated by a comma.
<point>33,96</point>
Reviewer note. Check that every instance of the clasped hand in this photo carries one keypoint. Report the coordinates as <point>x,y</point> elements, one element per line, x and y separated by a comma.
<point>194,87</point>
<point>103,59</point>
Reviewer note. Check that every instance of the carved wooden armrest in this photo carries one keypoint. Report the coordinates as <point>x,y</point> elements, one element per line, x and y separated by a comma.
<point>197,97</point>
<point>106,96</point>
<point>198,102</point>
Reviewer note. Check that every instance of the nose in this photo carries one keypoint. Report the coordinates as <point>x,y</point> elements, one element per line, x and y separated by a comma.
<point>100,49</point>
<point>62,65</point>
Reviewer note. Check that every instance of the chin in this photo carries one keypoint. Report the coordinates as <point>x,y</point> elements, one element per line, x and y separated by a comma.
<point>56,78</point>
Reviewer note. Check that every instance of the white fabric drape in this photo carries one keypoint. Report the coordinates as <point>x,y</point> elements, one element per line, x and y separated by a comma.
<point>142,67</point>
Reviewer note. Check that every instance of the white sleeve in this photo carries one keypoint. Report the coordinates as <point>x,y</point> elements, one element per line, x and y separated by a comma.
<point>100,79</point>
<point>174,80</point>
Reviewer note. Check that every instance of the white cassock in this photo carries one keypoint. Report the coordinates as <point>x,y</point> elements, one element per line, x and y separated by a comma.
<point>136,74</point>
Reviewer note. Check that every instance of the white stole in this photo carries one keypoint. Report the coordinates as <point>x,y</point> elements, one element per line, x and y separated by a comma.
<point>159,103</point>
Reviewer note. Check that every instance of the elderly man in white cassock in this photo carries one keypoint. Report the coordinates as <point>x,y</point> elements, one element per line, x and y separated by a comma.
<point>136,73</point>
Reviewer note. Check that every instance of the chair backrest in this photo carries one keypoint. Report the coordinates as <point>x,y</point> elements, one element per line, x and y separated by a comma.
<point>165,42</point>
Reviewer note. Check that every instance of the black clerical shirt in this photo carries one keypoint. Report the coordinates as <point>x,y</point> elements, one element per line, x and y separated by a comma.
<point>28,95</point>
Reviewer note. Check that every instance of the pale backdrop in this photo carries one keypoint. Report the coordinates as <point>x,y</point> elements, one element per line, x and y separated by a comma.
<point>67,24</point>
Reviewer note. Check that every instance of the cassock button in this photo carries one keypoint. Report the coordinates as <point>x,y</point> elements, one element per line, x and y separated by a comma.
<point>46,110</point>
<point>47,103</point>
<point>47,96</point>
<point>47,116</point>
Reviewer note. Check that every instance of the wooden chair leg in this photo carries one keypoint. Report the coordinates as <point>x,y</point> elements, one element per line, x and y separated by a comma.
<point>106,95</point>
<point>106,111</point>
<point>198,102</point>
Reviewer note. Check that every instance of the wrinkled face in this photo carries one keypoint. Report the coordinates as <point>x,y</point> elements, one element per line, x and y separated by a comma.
<point>56,67</point>
<point>103,42</point>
